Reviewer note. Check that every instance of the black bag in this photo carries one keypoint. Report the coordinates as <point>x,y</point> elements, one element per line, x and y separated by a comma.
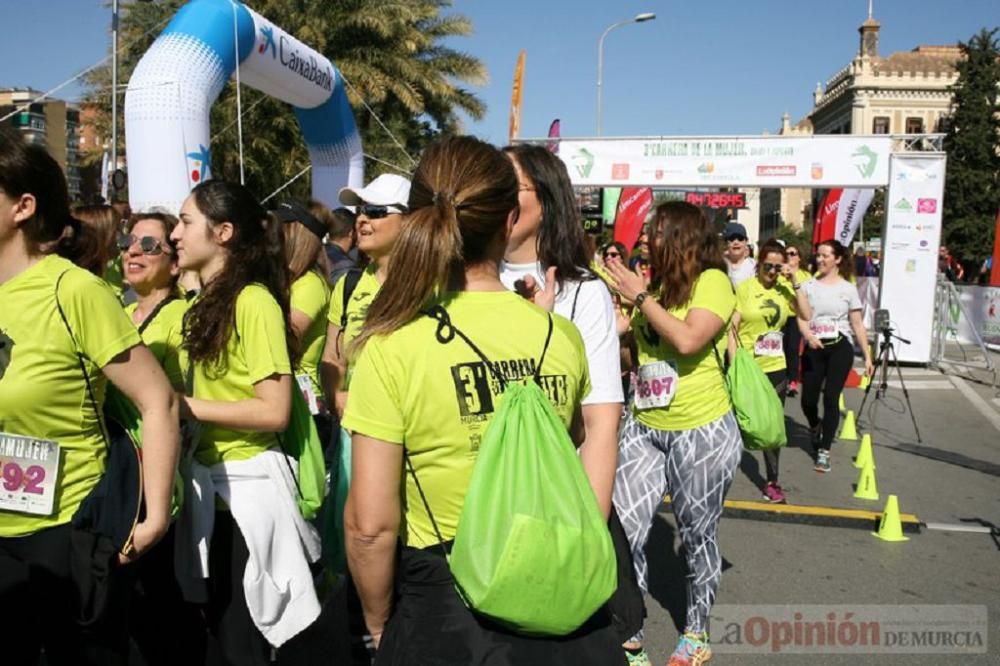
<point>628,609</point>
<point>105,522</point>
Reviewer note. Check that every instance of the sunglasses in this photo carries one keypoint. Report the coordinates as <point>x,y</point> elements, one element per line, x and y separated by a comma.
<point>373,212</point>
<point>771,267</point>
<point>148,244</point>
<point>732,238</point>
<point>792,253</point>
<point>611,254</point>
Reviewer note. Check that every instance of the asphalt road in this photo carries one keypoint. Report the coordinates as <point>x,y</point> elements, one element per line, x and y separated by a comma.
<point>949,478</point>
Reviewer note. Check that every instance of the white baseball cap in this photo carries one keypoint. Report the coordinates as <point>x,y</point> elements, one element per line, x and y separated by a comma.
<point>388,189</point>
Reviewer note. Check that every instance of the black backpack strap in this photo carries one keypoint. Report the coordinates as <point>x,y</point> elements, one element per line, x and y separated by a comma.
<point>427,506</point>
<point>351,279</point>
<point>446,332</point>
<point>576,297</point>
<point>83,367</point>
<point>545,349</point>
<point>152,315</point>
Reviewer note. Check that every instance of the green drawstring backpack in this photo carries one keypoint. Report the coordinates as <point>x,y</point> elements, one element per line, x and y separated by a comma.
<point>532,550</point>
<point>758,409</point>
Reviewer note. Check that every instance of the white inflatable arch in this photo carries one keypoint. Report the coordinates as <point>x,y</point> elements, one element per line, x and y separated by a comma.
<point>177,81</point>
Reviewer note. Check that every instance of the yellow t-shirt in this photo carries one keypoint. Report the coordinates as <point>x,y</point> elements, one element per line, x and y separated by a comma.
<point>255,351</point>
<point>357,309</point>
<point>164,336</point>
<point>311,297</point>
<point>437,399</point>
<point>701,396</point>
<point>763,311</point>
<point>43,393</point>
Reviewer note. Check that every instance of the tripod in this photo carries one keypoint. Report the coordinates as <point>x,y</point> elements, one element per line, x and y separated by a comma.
<point>885,351</point>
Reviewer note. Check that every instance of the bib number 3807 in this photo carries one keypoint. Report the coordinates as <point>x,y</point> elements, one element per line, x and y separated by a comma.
<point>657,384</point>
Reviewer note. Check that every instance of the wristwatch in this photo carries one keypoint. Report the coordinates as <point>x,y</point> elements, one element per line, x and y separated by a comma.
<point>640,298</point>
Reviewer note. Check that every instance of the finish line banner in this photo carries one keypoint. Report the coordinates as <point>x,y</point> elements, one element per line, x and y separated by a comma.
<point>817,161</point>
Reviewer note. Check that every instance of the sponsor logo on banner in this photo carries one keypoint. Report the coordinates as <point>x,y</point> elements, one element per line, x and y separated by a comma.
<point>911,265</point>
<point>865,159</point>
<point>901,226</point>
<point>583,160</point>
<point>926,205</point>
<point>658,174</point>
<point>706,167</point>
<point>776,170</point>
<point>816,173</point>
<point>267,37</point>
<point>619,171</point>
<point>904,205</point>
<point>925,246</point>
<point>200,163</point>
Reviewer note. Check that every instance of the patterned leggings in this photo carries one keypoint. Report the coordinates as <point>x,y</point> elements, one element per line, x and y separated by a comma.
<point>696,467</point>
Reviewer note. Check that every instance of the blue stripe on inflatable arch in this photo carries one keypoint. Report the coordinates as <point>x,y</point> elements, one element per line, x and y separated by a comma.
<point>211,22</point>
<point>329,127</point>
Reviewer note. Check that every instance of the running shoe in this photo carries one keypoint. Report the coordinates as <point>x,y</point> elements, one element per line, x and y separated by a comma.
<point>692,650</point>
<point>639,658</point>
<point>822,461</point>
<point>793,389</point>
<point>773,493</point>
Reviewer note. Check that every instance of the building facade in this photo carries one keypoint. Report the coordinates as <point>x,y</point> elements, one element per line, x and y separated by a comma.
<point>51,123</point>
<point>907,92</point>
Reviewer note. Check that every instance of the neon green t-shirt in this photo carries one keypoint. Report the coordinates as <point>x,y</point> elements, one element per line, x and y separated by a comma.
<point>115,276</point>
<point>256,350</point>
<point>437,399</point>
<point>357,309</point>
<point>763,313</point>
<point>43,393</point>
<point>311,297</point>
<point>701,396</point>
<point>164,336</point>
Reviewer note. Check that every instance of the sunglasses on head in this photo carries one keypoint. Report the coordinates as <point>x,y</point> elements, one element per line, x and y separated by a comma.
<point>771,267</point>
<point>147,244</point>
<point>373,212</point>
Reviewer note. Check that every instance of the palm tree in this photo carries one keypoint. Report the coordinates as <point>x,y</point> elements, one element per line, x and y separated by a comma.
<point>392,59</point>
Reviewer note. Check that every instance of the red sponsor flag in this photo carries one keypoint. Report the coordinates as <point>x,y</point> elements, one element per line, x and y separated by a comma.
<point>553,146</point>
<point>995,269</point>
<point>633,206</point>
<point>516,96</point>
<point>825,227</point>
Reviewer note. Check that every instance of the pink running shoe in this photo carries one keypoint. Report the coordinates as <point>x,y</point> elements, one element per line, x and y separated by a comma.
<point>773,493</point>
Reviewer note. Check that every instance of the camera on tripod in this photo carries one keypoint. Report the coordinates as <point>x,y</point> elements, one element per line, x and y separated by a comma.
<point>883,323</point>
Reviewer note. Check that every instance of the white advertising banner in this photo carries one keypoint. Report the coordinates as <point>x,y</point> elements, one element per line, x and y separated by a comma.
<point>982,305</point>
<point>813,161</point>
<point>909,250</point>
<point>853,206</point>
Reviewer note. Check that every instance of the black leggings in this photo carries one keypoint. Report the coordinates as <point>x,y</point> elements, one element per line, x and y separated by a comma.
<point>825,369</point>
<point>38,605</point>
<point>792,342</point>
<point>779,380</point>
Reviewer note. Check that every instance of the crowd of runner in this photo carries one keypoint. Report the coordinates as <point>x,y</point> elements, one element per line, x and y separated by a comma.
<point>370,347</point>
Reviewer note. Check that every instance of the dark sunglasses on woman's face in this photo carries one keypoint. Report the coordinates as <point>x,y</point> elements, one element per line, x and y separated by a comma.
<point>792,253</point>
<point>611,254</point>
<point>772,267</point>
<point>373,212</point>
<point>147,244</point>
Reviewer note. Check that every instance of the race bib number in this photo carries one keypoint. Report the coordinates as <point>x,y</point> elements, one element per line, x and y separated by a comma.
<point>306,386</point>
<point>769,344</point>
<point>28,474</point>
<point>656,385</point>
<point>824,328</point>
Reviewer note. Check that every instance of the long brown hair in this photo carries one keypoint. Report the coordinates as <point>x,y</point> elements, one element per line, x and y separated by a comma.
<point>846,265</point>
<point>304,252</point>
<point>463,191</point>
<point>682,245</point>
<point>104,221</point>
<point>256,254</point>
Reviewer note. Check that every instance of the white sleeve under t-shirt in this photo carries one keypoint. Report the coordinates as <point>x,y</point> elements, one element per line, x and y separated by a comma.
<point>594,317</point>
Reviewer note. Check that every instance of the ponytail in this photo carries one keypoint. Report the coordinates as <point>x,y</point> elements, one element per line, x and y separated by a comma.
<point>463,191</point>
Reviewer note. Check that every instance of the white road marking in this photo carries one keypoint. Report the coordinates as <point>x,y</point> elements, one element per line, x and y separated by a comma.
<point>981,405</point>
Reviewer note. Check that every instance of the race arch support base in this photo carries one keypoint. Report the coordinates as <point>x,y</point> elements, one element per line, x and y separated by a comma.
<point>173,88</point>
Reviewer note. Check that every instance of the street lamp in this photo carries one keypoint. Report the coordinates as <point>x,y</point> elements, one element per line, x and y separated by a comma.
<point>638,18</point>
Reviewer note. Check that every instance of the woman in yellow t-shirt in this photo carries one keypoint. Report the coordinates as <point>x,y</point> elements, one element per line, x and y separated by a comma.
<point>63,333</point>
<point>310,300</point>
<point>236,337</point>
<point>414,388</point>
<point>793,338</point>
<point>158,612</point>
<point>380,207</point>
<point>681,436</point>
<point>763,304</point>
